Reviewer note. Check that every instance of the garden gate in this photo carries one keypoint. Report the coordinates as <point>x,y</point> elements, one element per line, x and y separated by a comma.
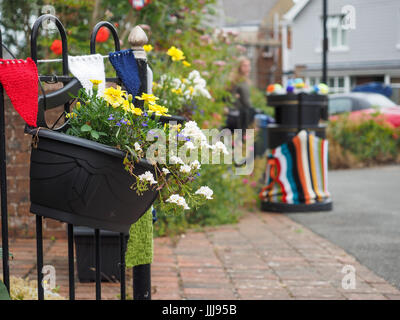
<point>141,274</point>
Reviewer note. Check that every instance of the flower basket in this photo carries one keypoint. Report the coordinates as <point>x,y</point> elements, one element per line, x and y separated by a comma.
<point>82,182</point>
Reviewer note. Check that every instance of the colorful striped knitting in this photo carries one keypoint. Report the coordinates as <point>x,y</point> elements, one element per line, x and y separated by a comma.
<point>297,171</point>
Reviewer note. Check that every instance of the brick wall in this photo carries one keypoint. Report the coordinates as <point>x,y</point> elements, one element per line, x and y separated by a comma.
<point>21,221</point>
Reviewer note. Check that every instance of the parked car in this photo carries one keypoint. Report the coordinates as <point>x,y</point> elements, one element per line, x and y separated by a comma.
<point>358,103</point>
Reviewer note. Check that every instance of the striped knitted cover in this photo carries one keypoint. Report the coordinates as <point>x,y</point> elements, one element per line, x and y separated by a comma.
<point>297,171</point>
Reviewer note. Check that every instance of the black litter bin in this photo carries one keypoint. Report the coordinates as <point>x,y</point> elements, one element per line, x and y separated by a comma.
<point>279,134</point>
<point>261,143</point>
<point>293,109</point>
<point>296,169</point>
<point>109,251</point>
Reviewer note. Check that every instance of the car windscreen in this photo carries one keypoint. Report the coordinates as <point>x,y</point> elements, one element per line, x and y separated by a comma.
<point>339,105</point>
<point>379,101</point>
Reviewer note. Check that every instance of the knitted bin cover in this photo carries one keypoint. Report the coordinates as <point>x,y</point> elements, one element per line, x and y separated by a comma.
<point>125,65</point>
<point>20,80</point>
<point>297,171</point>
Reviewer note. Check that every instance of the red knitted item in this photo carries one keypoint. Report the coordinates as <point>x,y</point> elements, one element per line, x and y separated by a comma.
<point>20,80</point>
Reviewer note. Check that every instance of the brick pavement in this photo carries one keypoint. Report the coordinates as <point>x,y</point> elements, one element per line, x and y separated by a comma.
<point>265,256</point>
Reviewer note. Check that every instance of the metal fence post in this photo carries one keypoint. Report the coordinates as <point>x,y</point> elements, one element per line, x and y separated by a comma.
<point>141,274</point>
<point>3,182</point>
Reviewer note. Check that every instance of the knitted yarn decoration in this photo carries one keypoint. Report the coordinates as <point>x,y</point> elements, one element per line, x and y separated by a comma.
<point>125,65</point>
<point>20,80</point>
<point>86,68</point>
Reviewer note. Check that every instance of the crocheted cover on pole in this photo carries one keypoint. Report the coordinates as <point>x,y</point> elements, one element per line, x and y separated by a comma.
<point>125,65</point>
<point>20,80</point>
<point>86,68</point>
<point>140,243</point>
<point>297,171</point>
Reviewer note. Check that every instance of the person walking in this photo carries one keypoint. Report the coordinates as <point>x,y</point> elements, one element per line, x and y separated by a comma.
<point>241,92</point>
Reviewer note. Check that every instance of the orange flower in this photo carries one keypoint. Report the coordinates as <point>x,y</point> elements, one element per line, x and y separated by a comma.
<point>102,35</point>
<point>56,47</point>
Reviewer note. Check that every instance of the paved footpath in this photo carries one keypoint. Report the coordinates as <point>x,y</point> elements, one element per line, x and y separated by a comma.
<point>265,256</point>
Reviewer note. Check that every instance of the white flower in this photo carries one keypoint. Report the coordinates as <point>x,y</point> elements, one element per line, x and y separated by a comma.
<point>137,147</point>
<point>195,165</point>
<point>202,91</point>
<point>175,160</point>
<point>165,170</point>
<point>189,145</point>
<point>219,146</point>
<point>148,176</point>
<point>176,83</point>
<point>192,131</point>
<point>185,168</point>
<point>178,200</point>
<point>194,75</point>
<point>205,191</point>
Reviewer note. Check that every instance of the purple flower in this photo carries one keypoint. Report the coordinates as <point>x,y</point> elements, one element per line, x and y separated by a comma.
<point>144,124</point>
<point>118,124</point>
<point>124,121</point>
<point>198,174</point>
<point>110,117</point>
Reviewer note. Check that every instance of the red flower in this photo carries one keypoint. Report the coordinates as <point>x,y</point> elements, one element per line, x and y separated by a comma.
<point>102,34</point>
<point>56,47</point>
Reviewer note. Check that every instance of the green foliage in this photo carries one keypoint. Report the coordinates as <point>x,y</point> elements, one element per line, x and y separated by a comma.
<point>258,100</point>
<point>371,140</point>
<point>224,208</point>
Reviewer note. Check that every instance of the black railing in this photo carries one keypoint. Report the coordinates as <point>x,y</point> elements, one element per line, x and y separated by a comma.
<point>141,274</point>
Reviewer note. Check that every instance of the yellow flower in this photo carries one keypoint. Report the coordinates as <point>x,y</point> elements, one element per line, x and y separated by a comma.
<point>78,105</point>
<point>186,64</point>
<point>191,90</point>
<point>148,47</point>
<point>176,127</point>
<point>96,82</point>
<point>177,91</point>
<point>175,54</point>
<point>126,106</point>
<point>149,98</point>
<point>114,96</point>
<point>70,115</point>
<point>159,110</point>
<point>136,111</point>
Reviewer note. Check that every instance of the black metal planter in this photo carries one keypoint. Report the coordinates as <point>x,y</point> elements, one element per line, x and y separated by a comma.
<point>84,183</point>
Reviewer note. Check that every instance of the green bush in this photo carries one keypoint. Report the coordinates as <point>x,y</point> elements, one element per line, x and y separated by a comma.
<point>224,209</point>
<point>370,140</point>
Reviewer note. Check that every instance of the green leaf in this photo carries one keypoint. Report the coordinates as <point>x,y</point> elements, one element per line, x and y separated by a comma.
<point>94,134</point>
<point>86,128</point>
<point>3,292</point>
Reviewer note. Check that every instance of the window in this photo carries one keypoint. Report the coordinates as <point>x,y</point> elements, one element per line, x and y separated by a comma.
<point>336,84</point>
<point>336,34</point>
<point>339,105</point>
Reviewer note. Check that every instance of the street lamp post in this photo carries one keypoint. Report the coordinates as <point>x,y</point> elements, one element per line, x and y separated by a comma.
<point>324,42</point>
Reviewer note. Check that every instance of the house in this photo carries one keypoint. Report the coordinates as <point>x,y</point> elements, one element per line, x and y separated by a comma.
<point>364,50</point>
<point>257,24</point>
